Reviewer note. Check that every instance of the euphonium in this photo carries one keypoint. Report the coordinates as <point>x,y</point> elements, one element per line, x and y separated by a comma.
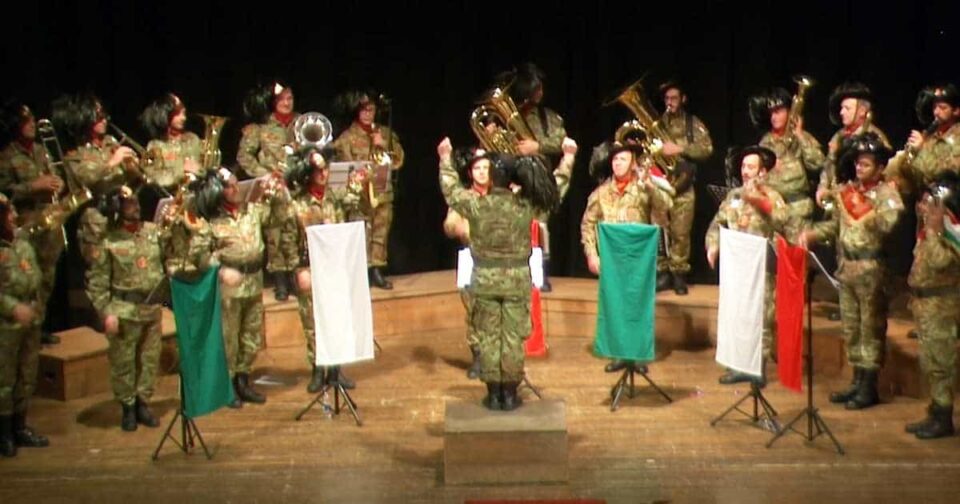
<point>210,155</point>
<point>635,99</point>
<point>510,125</point>
<point>799,100</point>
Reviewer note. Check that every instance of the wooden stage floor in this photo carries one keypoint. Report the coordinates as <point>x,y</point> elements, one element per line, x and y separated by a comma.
<point>647,451</point>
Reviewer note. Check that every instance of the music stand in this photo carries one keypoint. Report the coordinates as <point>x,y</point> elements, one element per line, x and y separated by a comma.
<point>626,385</point>
<point>188,432</point>
<point>811,412</point>
<point>339,394</point>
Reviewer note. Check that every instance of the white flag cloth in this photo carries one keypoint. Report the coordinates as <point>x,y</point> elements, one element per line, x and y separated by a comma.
<point>743,262</point>
<point>465,267</point>
<point>342,314</point>
<point>536,267</point>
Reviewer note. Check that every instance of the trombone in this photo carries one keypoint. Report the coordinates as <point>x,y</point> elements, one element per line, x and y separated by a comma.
<point>152,159</point>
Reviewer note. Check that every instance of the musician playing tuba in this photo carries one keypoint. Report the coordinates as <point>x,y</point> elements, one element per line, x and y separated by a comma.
<point>798,152</point>
<point>366,140</point>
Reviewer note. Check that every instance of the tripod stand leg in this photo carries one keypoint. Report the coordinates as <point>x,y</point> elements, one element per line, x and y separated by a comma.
<point>352,406</point>
<point>787,428</point>
<point>166,434</point>
<point>735,406</point>
<point>617,391</point>
<point>376,345</point>
<point>194,431</point>
<point>655,387</point>
<point>316,400</point>
<point>822,427</point>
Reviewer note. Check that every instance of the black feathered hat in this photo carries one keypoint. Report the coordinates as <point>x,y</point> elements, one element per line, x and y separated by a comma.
<point>111,203</point>
<point>734,160</point>
<point>866,143</point>
<point>12,117</point>
<point>73,117</point>
<point>759,106</point>
<point>855,90</point>
<point>155,119</point>
<point>930,95</point>
<point>526,79</point>
<point>260,100</point>
<point>348,104</point>
<point>463,160</point>
<point>298,175</point>
<point>601,161</point>
<point>208,192</point>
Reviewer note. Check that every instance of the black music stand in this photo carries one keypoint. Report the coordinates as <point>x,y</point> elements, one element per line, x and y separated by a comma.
<point>625,385</point>
<point>815,422</point>
<point>188,432</point>
<point>766,418</point>
<point>340,396</point>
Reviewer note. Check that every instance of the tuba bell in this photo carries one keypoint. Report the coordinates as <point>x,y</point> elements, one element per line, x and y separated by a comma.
<point>312,129</point>
<point>795,115</point>
<point>635,99</point>
<point>210,155</point>
<point>509,126</point>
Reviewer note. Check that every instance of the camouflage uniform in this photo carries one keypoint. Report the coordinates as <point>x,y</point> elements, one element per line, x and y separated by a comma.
<point>500,244</point>
<point>237,242</point>
<point>935,284</point>
<point>174,153</point>
<point>125,281</point>
<point>88,168</point>
<point>355,144</point>
<point>863,305</point>
<point>19,167</point>
<point>607,204</point>
<point>795,157</point>
<point>261,152</point>
<point>737,214</point>
<point>21,278</point>
<point>697,147</point>
<point>938,153</point>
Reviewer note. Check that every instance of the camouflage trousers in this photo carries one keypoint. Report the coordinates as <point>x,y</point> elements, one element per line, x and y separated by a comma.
<point>937,319</point>
<point>466,296</point>
<point>280,239</point>
<point>305,307</point>
<point>48,246</point>
<point>678,227</point>
<point>134,356</point>
<point>91,229</point>
<point>19,356</point>
<point>502,324</point>
<point>378,221</point>
<point>863,311</point>
<point>242,331</point>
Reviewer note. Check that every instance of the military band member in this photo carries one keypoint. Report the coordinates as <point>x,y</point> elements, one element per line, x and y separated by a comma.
<point>935,150</point>
<point>21,278</point>
<point>365,140</point>
<point>867,208</point>
<point>124,284</point>
<point>94,160</point>
<point>236,244</point>
<point>263,150</point>
<point>692,144</point>
<point>627,193</point>
<point>165,121</point>
<point>797,151</point>
<point>757,209</point>
<point>27,177</point>
<point>315,203</point>
<point>935,285</point>
<point>500,245</point>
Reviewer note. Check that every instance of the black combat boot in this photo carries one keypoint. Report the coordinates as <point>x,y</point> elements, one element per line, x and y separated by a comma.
<point>866,395</point>
<point>546,287</point>
<point>24,435</point>
<point>8,448</point>
<point>378,279</point>
<point>848,393</point>
<point>473,372</point>
<point>664,280</point>
<point>246,392</point>
<point>615,365</point>
<point>924,424</point>
<point>336,377</point>
<point>941,426</point>
<point>731,377</point>
<point>236,403</point>
<point>511,400</point>
<point>493,401</point>
<point>128,421</point>
<point>281,285</point>
<point>680,284</point>
<point>316,380</point>
<point>144,415</point>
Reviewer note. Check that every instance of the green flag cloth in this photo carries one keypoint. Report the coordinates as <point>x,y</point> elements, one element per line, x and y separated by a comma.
<point>625,306</point>
<point>204,377</point>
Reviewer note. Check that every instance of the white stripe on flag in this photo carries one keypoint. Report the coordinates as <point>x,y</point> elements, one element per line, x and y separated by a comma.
<point>743,259</point>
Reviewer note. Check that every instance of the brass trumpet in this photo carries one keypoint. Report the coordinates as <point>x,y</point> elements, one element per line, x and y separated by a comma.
<point>146,159</point>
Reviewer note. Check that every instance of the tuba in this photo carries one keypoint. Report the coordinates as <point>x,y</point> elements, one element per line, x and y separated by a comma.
<point>312,129</point>
<point>497,106</point>
<point>795,115</point>
<point>635,99</point>
<point>210,155</point>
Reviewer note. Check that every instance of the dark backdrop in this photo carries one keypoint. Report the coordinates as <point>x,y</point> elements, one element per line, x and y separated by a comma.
<point>434,60</point>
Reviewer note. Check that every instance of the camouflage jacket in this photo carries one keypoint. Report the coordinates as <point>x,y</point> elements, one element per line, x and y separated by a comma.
<point>354,144</point>
<point>863,220</point>
<point>261,147</point>
<point>676,126</point>
<point>237,242</point>
<point>88,167</point>
<point>607,204</point>
<point>20,277</point>
<point>187,246</point>
<point>828,176</point>
<point>311,211</point>
<point>737,214</point>
<point>127,264</point>
<point>936,263</point>
<point>174,154</point>
<point>500,235</point>
<point>550,137</point>
<point>938,153</point>
<point>19,167</point>
<point>795,157</point>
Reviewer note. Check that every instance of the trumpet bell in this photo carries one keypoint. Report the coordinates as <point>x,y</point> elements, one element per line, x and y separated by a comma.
<point>313,129</point>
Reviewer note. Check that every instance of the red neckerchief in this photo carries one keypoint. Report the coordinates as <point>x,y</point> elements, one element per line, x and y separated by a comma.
<point>231,209</point>
<point>132,227</point>
<point>481,190</point>
<point>850,130</point>
<point>97,141</point>
<point>622,184</point>
<point>854,201</point>
<point>283,119</point>
<point>26,144</point>
<point>173,134</point>
<point>365,127</point>
<point>866,186</point>
<point>779,133</point>
<point>317,191</point>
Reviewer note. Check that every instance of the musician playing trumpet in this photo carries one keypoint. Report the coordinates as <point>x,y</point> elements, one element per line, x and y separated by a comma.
<point>365,140</point>
<point>26,176</point>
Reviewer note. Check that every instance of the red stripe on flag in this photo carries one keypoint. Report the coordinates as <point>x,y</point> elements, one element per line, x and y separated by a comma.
<point>535,345</point>
<point>791,291</point>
